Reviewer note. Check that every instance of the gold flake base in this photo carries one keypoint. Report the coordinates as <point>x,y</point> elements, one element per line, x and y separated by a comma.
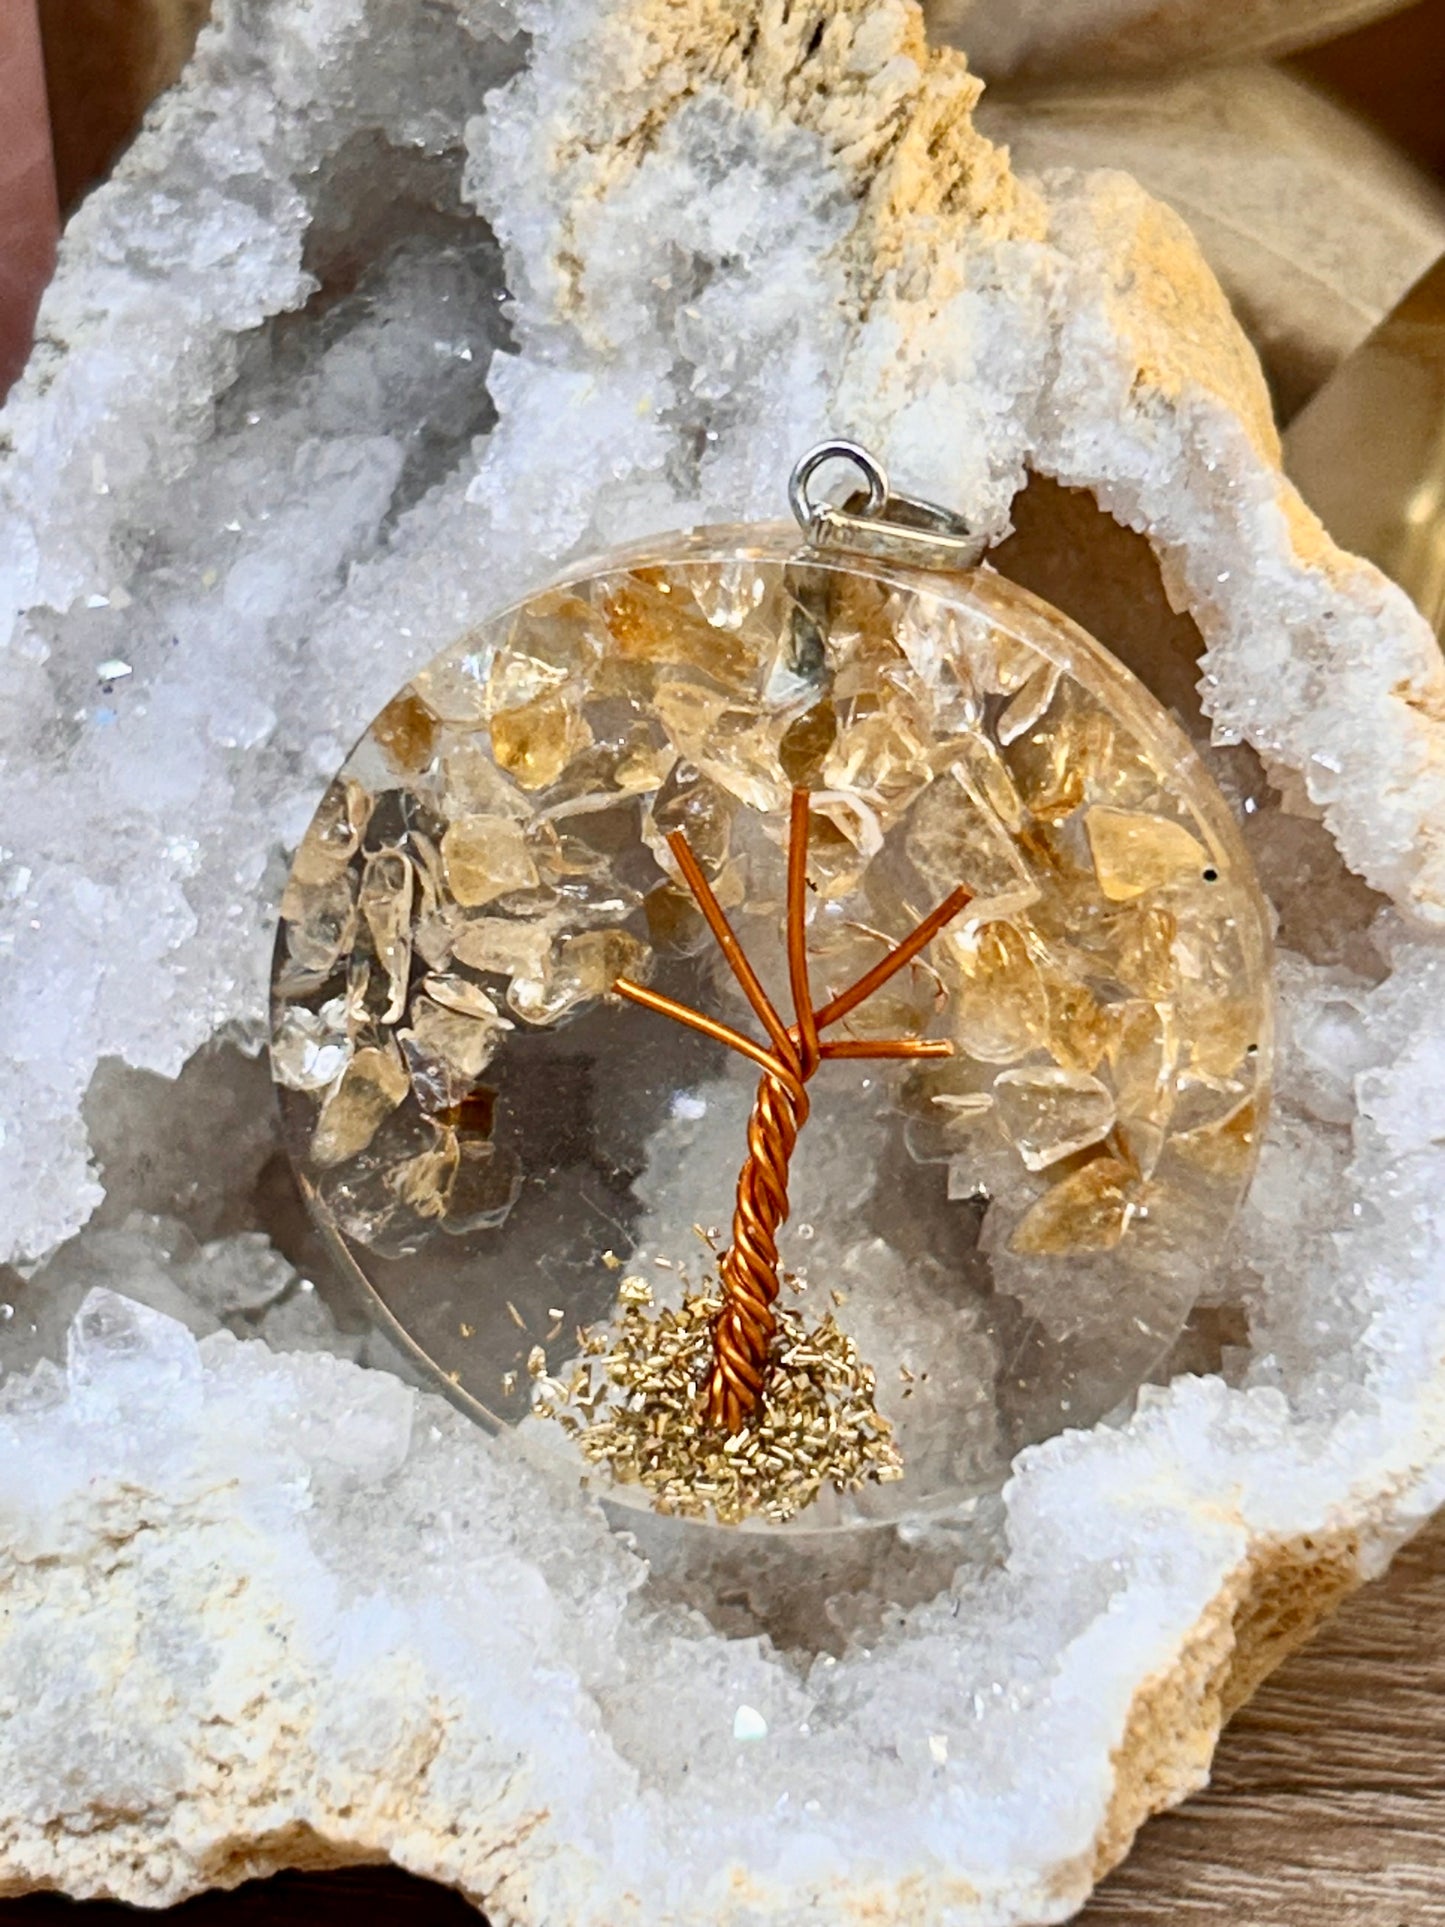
<point>642,1420</point>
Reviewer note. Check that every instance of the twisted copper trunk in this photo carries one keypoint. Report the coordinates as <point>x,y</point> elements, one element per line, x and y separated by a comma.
<point>743,1335</point>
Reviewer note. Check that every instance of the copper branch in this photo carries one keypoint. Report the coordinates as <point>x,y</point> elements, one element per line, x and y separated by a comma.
<point>743,1334</point>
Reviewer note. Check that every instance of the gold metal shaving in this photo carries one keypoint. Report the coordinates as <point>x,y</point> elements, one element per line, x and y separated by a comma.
<point>817,1425</point>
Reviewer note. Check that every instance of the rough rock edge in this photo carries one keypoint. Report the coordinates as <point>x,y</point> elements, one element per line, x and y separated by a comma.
<point>282,1814</point>
<point>1267,1610</point>
<point>1172,1715</point>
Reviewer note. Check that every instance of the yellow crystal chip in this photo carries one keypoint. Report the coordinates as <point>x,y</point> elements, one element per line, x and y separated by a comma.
<point>406,733</point>
<point>373,1084</point>
<point>536,741</point>
<point>385,903</point>
<point>1087,1211</point>
<point>1135,851</point>
<point>484,857</point>
<point>1226,1147</point>
<point>1049,1114</point>
<point>1001,1004</point>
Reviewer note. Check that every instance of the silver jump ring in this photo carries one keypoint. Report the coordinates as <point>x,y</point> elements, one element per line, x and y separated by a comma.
<point>868,466</point>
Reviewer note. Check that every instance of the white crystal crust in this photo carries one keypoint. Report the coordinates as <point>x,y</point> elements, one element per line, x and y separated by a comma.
<point>271,1608</point>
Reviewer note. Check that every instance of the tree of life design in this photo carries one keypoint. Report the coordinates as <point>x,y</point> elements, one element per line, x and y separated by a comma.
<point>744,1329</point>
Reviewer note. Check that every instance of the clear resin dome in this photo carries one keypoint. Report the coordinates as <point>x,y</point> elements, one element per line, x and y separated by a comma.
<point>535,1177</point>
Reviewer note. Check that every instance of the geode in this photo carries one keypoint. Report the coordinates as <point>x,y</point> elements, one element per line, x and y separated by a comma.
<point>388,315</point>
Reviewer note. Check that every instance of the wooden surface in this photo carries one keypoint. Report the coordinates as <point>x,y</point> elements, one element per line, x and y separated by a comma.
<point>1327,1807</point>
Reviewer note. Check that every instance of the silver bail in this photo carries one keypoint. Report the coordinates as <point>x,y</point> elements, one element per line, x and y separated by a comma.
<point>888,526</point>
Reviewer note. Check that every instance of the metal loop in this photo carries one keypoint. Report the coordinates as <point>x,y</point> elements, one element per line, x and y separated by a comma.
<point>867,465</point>
<point>897,529</point>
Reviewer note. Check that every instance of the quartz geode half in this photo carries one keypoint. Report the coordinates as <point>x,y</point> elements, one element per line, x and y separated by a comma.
<point>389,312</point>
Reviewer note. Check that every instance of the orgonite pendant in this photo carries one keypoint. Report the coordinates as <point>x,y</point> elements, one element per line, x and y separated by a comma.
<point>783,1023</point>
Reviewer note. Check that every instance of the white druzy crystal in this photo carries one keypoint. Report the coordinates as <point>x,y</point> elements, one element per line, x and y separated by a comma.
<point>389,312</point>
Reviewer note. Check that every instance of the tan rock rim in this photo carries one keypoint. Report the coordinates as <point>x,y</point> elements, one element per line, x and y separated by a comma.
<point>1272,1604</point>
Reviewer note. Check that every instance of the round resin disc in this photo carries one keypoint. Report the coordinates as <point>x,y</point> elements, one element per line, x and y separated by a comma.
<point>516,1161</point>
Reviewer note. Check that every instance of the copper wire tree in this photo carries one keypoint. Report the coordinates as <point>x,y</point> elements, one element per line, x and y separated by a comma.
<point>743,1333</point>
